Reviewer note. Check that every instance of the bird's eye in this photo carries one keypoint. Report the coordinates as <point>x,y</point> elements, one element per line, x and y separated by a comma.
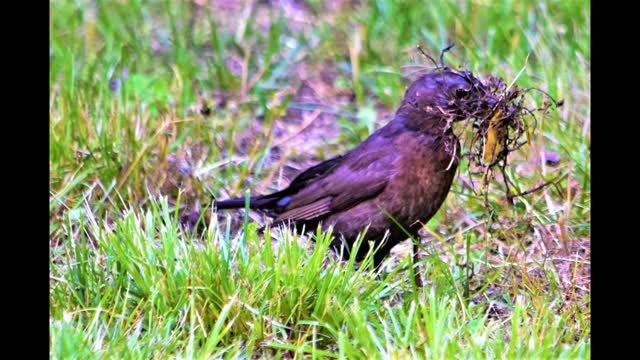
<point>462,93</point>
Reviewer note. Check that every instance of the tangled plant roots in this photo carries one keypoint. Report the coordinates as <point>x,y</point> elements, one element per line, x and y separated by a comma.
<point>501,123</point>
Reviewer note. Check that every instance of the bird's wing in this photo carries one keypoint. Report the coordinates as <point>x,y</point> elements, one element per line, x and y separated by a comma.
<point>360,175</point>
<point>314,172</point>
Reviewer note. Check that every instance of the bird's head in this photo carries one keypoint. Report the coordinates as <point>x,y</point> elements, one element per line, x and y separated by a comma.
<point>437,99</point>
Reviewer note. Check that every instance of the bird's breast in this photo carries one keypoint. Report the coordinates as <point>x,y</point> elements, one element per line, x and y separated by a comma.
<point>423,176</point>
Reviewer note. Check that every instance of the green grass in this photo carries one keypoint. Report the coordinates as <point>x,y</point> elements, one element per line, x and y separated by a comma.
<point>130,153</point>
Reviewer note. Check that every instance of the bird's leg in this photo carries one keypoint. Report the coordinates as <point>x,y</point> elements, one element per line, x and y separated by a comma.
<point>416,274</point>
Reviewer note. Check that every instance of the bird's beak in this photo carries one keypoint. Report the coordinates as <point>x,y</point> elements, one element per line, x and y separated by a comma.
<point>491,104</point>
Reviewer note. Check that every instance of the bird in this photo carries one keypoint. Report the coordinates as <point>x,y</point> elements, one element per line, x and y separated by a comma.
<point>393,182</point>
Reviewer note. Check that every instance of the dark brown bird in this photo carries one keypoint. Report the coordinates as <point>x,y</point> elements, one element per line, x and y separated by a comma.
<point>403,170</point>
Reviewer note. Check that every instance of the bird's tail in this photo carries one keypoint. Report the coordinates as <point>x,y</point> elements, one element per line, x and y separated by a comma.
<point>231,203</point>
<point>255,202</point>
